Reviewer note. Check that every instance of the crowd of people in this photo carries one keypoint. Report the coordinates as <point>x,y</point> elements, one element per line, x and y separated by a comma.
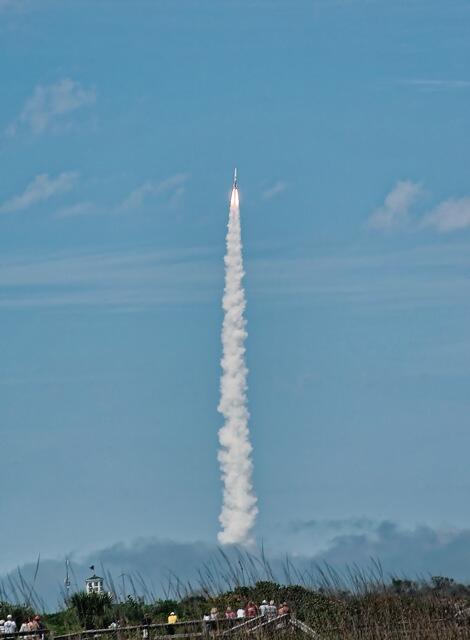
<point>248,611</point>
<point>32,628</point>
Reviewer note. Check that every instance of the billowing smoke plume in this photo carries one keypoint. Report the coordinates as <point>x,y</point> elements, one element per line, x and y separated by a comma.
<point>239,502</point>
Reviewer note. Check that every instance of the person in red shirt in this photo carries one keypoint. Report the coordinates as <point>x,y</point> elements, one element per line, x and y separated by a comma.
<point>251,610</point>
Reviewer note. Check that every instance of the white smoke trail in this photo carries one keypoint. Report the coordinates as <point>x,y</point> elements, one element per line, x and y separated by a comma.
<point>239,502</point>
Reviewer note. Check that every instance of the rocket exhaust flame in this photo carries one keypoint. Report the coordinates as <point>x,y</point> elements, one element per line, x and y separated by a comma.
<point>234,201</point>
<point>239,508</point>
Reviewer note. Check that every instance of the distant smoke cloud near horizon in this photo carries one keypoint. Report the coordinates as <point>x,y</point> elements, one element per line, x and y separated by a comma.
<point>239,508</point>
<point>155,564</point>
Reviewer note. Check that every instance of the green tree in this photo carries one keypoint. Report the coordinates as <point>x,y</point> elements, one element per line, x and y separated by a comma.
<point>162,608</point>
<point>94,610</point>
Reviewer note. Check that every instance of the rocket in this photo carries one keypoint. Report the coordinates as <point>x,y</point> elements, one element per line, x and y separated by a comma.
<point>234,195</point>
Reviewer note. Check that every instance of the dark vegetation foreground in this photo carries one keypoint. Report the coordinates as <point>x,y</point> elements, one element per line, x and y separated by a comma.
<point>361,607</point>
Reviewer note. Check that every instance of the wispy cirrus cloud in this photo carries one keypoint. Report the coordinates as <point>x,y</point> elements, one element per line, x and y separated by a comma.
<point>42,188</point>
<point>77,209</point>
<point>428,84</point>
<point>127,279</point>
<point>47,109</point>
<point>173,186</point>
<point>12,4</point>
<point>277,188</point>
<point>395,212</point>
<point>423,277</point>
<point>167,192</point>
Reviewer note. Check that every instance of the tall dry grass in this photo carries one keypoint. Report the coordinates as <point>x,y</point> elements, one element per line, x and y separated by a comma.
<point>354,604</point>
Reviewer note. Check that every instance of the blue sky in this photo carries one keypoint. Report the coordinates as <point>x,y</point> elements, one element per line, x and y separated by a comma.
<point>120,125</point>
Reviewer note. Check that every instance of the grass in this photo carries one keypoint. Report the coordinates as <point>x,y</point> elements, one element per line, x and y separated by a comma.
<point>355,604</point>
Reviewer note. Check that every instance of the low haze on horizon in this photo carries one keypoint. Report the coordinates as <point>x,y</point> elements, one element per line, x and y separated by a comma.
<point>120,126</point>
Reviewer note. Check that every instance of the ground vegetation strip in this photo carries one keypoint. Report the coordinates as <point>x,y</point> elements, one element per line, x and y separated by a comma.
<point>367,608</point>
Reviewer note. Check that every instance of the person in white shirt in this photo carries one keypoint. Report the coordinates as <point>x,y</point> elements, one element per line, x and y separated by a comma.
<point>10,625</point>
<point>264,608</point>
<point>272,610</point>
<point>25,626</point>
<point>241,612</point>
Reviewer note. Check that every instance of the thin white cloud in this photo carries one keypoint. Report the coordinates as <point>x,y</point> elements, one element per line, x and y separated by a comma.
<point>47,109</point>
<point>171,186</point>
<point>418,278</point>
<point>40,189</point>
<point>277,188</point>
<point>12,4</point>
<point>77,209</point>
<point>437,85</point>
<point>447,216</point>
<point>136,198</point>
<point>394,213</point>
<point>176,197</point>
<point>450,215</point>
<point>170,191</point>
<point>424,277</point>
<point>113,280</point>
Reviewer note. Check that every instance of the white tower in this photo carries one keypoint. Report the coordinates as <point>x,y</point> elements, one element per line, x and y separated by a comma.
<point>94,584</point>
